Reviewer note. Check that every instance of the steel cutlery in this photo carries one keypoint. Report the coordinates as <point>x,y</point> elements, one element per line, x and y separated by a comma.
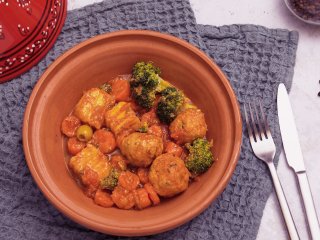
<point>294,157</point>
<point>264,148</point>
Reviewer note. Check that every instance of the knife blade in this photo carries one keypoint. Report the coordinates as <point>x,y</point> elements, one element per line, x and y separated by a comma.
<point>294,156</point>
<point>288,131</point>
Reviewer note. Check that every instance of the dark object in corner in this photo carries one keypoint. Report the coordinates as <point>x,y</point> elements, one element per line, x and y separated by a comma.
<point>306,9</point>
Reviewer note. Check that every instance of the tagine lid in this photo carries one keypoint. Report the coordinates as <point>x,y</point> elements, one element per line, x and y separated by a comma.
<point>28,30</point>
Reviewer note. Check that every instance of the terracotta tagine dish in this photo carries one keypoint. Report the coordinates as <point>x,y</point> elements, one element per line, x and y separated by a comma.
<point>96,61</point>
<point>28,29</point>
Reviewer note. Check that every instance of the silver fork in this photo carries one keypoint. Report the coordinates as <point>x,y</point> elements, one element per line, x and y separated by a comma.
<point>264,148</point>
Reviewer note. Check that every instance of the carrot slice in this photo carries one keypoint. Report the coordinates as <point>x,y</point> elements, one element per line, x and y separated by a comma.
<point>173,148</point>
<point>75,146</point>
<point>102,198</point>
<point>105,140</point>
<point>152,193</point>
<point>123,198</point>
<point>128,180</point>
<point>141,198</point>
<point>150,118</point>
<point>118,162</point>
<point>143,175</point>
<point>69,126</point>
<point>120,89</point>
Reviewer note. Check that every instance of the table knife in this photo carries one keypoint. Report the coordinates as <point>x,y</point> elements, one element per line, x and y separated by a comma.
<point>294,157</point>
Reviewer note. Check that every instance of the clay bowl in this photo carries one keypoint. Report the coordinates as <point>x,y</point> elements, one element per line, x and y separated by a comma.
<point>95,61</point>
<point>304,11</point>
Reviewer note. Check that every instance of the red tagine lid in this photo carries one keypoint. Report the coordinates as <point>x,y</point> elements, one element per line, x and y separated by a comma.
<point>28,29</point>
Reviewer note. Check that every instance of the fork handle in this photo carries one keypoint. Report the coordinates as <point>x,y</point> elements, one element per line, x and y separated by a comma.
<point>309,205</point>
<point>283,203</point>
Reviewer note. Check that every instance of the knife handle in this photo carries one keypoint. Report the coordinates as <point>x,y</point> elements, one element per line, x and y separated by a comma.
<point>309,205</point>
<point>283,203</point>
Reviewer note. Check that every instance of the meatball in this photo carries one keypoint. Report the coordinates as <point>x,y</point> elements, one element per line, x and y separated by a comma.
<point>141,148</point>
<point>168,175</point>
<point>188,126</point>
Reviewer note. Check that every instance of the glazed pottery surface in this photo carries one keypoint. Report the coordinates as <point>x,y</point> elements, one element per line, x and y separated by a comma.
<point>96,61</point>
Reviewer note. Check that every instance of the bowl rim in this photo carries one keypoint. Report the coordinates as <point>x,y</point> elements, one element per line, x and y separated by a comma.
<point>63,208</point>
<point>314,23</point>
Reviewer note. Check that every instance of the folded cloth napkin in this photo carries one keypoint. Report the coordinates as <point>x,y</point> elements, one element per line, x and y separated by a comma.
<point>254,58</point>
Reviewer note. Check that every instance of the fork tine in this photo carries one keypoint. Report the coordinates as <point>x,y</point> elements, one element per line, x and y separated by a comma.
<point>248,124</point>
<point>254,126</point>
<point>265,122</point>
<point>260,120</point>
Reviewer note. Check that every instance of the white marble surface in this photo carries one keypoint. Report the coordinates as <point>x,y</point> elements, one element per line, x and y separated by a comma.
<point>304,99</point>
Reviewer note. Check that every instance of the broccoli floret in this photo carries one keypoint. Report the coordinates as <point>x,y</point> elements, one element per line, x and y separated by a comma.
<point>144,97</point>
<point>162,85</point>
<point>142,71</point>
<point>144,83</point>
<point>200,156</point>
<point>106,87</point>
<point>111,181</point>
<point>169,104</point>
<point>146,75</point>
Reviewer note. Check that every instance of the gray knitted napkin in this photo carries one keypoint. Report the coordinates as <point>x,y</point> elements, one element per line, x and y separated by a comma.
<point>254,58</point>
